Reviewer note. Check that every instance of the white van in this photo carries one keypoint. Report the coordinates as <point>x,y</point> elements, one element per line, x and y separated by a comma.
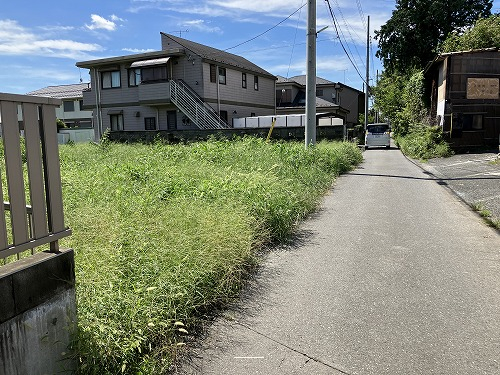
<point>378,135</point>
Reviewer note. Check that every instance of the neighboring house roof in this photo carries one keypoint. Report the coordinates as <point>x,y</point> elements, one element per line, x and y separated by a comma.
<point>62,92</point>
<point>129,58</point>
<point>217,55</point>
<point>301,80</point>
<point>205,52</point>
<point>443,56</point>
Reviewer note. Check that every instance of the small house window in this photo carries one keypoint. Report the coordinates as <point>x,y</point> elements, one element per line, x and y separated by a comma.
<point>213,73</point>
<point>244,80</point>
<point>134,77</point>
<point>256,83</point>
<point>116,122</point>
<point>150,123</point>
<point>319,92</point>
<point>154,74</point>
<point>69,106</point>
<point>222,76</point>
<point>223,115</point>
<point>110,79</point>
<point>81,105</point>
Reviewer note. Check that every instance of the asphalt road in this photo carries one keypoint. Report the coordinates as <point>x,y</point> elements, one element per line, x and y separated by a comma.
<point>394,275</point>
<point>473,177</point>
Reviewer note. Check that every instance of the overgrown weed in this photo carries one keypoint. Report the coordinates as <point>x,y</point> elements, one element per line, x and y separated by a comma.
<point>164,233</point>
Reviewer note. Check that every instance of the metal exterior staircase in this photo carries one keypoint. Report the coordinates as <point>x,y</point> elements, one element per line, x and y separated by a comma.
<point>190,103</point>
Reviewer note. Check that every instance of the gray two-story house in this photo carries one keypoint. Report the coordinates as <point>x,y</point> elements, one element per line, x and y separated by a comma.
<point>332,98</point>
<point>186,85</point>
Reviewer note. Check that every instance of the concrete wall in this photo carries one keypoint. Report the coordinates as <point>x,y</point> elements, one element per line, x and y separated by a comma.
<point>37,314</point>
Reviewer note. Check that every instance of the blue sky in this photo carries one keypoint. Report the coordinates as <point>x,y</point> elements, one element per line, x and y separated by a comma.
<point>40,42</point>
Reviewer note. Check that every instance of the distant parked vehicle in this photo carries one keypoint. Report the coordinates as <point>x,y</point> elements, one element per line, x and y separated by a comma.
<point>378,135</point>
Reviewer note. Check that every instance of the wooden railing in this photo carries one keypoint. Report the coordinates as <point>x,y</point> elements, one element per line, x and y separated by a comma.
<point>30,173</point>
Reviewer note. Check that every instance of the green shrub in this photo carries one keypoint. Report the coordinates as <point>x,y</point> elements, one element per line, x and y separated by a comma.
<point>424,142</point>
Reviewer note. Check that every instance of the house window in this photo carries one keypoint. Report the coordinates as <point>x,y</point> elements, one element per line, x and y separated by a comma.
<point>223,115</point>
<point>116,122</point>
<point>69,106</point>
<point>110,79</point>
<point>283,96</point>
<point>477,122</point>
<point>244,80</point>
<point>150,123</point>
<point>81,105</point>
<point>213,73</point>
<point>319,92</point>
<point>222,76</point>
<point>256,83</point>
<point>154,74</point>
<point>134,77</point>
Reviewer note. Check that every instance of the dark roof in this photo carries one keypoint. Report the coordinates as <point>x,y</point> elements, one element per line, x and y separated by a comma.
<point>128,58</point>
<point>61,92</point>
<point>301,80</point>
<point>217,55</point>
<point>443,56</point>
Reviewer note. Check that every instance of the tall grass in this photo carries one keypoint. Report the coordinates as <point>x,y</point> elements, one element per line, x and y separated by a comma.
<point>424,142</point>
<point>165,233</point>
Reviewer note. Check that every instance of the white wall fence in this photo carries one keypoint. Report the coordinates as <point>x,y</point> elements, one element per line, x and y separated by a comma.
<point>285,121</point>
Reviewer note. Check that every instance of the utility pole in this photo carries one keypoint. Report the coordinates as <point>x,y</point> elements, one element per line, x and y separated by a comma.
<point>310,131</point>
<point>367,85</point>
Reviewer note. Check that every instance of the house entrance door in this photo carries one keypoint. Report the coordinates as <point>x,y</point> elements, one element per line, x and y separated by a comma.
<point>171,120</point>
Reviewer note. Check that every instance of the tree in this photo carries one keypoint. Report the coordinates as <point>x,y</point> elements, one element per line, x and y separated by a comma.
<point>399,97</point>
<point>411,36</point>
<point>484,34</point>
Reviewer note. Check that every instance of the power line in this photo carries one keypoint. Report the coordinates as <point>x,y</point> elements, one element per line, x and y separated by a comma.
<point>265,32</point>
<point>349,31</point>
<point>335,23</point>
<point>361,13</point>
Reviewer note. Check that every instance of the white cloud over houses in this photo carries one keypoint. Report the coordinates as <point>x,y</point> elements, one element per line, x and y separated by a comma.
<point>201,25</point>
<point>16,40</point>
<point>101,23</point>
<point>138,50</point>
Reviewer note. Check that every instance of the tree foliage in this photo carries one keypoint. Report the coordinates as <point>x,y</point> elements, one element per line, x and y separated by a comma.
<point>399,97</point>
<point>410,37</point>
<point>484,34</point>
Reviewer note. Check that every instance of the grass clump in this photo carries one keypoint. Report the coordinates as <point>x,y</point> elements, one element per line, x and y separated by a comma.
<point>165,233</point>
<point>424,142</point>
<point>486,215</point>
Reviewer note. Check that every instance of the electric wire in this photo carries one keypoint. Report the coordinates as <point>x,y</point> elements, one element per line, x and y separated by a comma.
<point>350,34</point>
<point>291,54</point>
<point>335,23</point>
<point>265,32</point>
<point>361,13</point>
<point>294,43</point>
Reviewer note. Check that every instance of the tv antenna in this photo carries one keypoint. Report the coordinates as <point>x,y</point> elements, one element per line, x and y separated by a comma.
<point>180,32</point>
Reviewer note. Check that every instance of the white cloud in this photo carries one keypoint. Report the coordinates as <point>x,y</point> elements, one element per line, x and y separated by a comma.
<point>137,50</point>
<point>259,6</point>
<point>15,40</point>
<point>56,28</point>
<point>99,22</point>
<point>201,25</point>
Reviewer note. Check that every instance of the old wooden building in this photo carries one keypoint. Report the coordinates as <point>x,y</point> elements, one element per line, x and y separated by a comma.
<point>465,96</point>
